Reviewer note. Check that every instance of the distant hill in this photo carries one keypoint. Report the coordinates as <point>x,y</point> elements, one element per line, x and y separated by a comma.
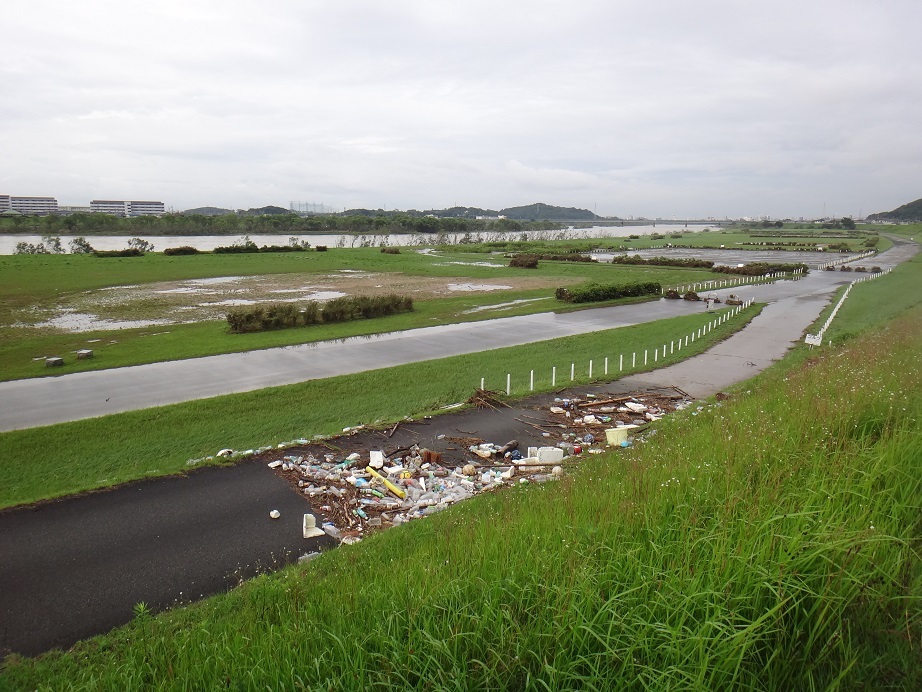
<point>548,212</point>
<point>538,212</point>
<point>907,212</point>
<point>209,211</point>
<point>263,211</point>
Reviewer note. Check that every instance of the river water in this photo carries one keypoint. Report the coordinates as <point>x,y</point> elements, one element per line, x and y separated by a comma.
<point>210,242</point>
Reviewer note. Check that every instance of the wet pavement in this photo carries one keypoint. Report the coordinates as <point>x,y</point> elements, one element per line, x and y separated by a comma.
<point>75,567</point>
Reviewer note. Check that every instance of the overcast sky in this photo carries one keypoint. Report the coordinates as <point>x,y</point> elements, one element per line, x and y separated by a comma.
<point>659,109</point>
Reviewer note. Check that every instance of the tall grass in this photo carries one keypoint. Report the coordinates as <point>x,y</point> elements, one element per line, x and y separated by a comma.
<point>770,541</point>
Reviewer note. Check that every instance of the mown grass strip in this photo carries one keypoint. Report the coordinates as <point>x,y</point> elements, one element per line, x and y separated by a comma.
<point>766,542</point>
<point>36,464</point>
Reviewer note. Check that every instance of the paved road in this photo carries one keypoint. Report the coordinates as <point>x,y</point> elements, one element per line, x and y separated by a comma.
<point>48,400</point>
<point>76,567</point>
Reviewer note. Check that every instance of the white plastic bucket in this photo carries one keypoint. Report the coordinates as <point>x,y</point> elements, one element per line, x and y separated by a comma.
<point>615,436</point>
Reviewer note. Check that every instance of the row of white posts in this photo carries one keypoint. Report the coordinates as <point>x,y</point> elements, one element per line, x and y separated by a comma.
<point>817,339</point>
<point>714,285</point>
<point>631,362</point>
<point>843,260</point>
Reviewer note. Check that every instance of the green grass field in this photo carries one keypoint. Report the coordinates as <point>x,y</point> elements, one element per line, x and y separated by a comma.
<point>769,541</point>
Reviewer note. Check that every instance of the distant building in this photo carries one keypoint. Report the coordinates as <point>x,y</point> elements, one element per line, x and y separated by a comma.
<point>146,208</point>
<point>127,208</point>
<point>74,208</point>
<point>28,205</point>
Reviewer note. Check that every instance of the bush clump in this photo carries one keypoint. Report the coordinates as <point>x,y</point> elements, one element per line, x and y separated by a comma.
<point>687,262</point>
<point>595,293</point>
<point>182,250</point>
<point>390,250</point>
<point>760,268</point>
<point>127,252</point>
<point>524,262</point>
<point>261,318</point>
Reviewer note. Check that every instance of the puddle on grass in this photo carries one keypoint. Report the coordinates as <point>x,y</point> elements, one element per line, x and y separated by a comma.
<point>477,287</point>
<point>219,280</point>
<point>197,300</point>
<point>471,264</point>
<point>83,322</point>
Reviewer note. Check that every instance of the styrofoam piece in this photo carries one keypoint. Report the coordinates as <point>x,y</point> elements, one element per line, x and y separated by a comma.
<point>275,514</point>
<point>376,458</point>
<point>310,528</point>
<point>550,455</point>
<point>274,464</point>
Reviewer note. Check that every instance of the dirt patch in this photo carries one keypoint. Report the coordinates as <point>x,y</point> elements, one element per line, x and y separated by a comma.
<point>195,300</point>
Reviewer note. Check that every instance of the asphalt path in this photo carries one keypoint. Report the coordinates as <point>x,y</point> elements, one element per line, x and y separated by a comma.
<point>76,567</point>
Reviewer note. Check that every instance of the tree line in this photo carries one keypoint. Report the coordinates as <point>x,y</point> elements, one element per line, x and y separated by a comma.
<point>232,224</point>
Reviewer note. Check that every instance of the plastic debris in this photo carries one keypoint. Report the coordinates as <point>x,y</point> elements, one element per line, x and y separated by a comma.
<point>275,514</point>
<point>393,487</point>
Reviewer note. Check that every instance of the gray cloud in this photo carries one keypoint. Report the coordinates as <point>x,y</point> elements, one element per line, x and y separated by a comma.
<point>711,108</point>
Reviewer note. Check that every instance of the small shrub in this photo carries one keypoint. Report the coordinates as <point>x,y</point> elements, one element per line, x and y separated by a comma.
<point>80,246</point>
<point>672,295</point>
<point>140,244</point>
<point>691,295</point>
<point>845,268</point>
<point>595,293</point>
<point>321,248</point>
<point>876,270</point>
<point>236,249</point>
<point>182,250</point>
<point>686,262</point>
<point>390,250</point>
<point>281,248</point>
<point>524,262</point>
<point>128,252</point>
<point>260,318</point>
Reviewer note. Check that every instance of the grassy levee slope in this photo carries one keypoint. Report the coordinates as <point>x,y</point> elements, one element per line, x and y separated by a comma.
<point>769,541</point>
<point>51,461</point>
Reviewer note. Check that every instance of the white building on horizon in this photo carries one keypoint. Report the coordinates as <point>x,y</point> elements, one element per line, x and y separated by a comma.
<point>28,205</point>
<point>127,207</point>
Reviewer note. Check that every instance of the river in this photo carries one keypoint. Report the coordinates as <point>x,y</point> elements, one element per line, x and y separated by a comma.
<point>8,242</point>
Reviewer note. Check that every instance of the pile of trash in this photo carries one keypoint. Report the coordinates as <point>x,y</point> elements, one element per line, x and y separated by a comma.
<point>371,489</point>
